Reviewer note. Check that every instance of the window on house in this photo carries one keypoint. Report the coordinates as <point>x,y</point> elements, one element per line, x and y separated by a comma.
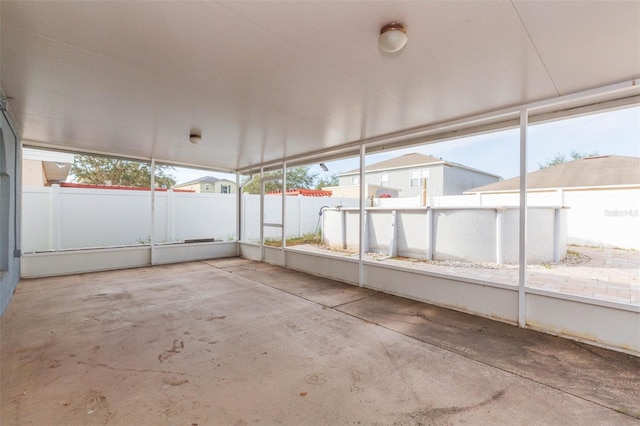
<point>225,189</point>
<point>384,179</point>
<point>415,178</point>
<point>207,187</point>
<point>355,180</point>
<point>417,175</point>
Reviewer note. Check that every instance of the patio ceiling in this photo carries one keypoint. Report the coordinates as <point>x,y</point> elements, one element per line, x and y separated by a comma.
<point>269,80</point>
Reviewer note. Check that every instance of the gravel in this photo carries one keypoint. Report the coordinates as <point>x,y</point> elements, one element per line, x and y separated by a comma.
<point>573,258</point>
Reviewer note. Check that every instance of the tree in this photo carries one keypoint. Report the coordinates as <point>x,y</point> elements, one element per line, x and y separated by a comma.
<point>560,158</point>
<point>114,171</point>
<point>297,177</point>
<point>327,181</point>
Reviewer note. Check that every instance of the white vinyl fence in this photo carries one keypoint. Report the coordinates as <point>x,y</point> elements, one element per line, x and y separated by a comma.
<point>595,217</point>
<point>58,218</point>
<point>302,215</point>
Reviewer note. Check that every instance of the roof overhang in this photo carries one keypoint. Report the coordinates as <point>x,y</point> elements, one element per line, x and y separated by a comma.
<point>302,81</point>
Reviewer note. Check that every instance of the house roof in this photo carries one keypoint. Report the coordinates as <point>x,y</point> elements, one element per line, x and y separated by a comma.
<point>204,179</point>
<point>412,159</point>
<point>598,171</point>
<point>119,187</point>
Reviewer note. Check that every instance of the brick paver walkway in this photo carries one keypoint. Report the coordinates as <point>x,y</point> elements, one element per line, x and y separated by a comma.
<point>609,274</point>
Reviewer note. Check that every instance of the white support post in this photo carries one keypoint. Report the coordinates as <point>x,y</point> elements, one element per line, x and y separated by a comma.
<point>556,235</point>
<point>322,233</point>
<point>283,217</point>
<point>365,239</point>
<point>343,228</point>
<point>299,214</point>
<point>171,215</point>
<point>243,218</point>
<point>363,230</point>
<point>261,215</point>
<point>54,241</point>
<point>393,243</point>
<point>499,245</point>
<point>522,258</point>
<point>429,236</point>
<point>152,231</point>
<point>238,213</point>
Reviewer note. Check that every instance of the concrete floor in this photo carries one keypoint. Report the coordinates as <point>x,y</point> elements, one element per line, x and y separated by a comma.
<point>236,342</point>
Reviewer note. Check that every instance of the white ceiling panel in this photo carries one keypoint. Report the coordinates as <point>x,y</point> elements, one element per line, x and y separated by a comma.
<point>271,80</point>
<point>586,41</point>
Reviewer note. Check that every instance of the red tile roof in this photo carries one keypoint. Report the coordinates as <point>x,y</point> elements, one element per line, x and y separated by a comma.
<point>304,192</point>
<point>127,188</point>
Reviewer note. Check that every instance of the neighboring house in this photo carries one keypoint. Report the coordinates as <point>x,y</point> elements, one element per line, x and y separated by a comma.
<point>44,168</point>
<point>209,184</point>
<point>405,174</point>
<point>353,191</point>
<point>602,193</point>
<point>597,172</point>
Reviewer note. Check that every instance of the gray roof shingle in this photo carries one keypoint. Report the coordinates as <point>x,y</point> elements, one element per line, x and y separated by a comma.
<point>204,179</point>
<point>597,171</point>
<point>407,160</point>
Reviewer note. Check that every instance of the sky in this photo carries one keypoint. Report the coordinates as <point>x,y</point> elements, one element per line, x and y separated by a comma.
<point>614,133</point>
<point>610,133</point>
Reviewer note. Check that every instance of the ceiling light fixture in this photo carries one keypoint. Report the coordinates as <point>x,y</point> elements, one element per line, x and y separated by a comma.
<point>392,37</point>
<point>195,138</point>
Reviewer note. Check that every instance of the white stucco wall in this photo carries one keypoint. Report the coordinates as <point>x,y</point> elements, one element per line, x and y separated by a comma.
<point>604,217</point>
<point>595,217</point>
<point>474,234</point>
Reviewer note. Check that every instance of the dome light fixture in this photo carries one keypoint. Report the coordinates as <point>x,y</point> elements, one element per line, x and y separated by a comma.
<point>195,138</point>
<point>392,37</point>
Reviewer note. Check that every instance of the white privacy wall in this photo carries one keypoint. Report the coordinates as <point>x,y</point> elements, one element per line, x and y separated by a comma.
<point>595,217</point>
<point>36,219</point>
<point>604,218</point>
<point>56,218</point>
<point>185,215</point>
<point>302,214</point>
<point>473,234</point>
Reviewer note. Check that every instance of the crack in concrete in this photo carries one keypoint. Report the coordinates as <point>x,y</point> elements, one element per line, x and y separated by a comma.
<point>135,369</point>
<point>434,415</point>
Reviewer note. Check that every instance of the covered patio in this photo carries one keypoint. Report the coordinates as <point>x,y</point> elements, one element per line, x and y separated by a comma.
<point>233,341</point>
